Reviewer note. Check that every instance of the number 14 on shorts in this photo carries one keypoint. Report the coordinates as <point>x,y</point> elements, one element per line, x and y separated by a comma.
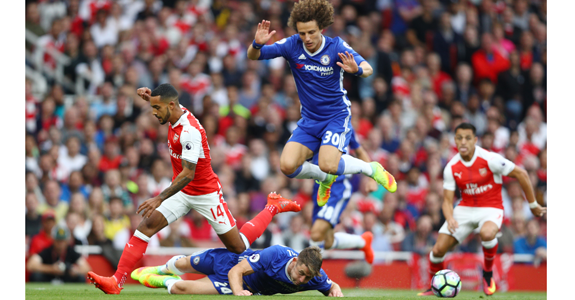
<point>218,214</point>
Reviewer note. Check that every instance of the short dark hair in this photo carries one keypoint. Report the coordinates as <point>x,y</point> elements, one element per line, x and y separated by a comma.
<point>466,126</point>
<point>311,257</point>
<point>304,11</point>
<point>166,92</point>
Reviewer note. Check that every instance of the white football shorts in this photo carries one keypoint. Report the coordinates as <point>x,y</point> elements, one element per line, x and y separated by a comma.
<point>211,206</point>
<point>469,218</point>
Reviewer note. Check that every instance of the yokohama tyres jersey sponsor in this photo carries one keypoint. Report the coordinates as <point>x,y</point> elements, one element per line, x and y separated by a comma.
<point>187,140</point>
<point>479,179</point>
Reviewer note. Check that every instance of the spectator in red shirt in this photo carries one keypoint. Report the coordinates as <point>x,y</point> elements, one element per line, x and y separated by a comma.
<point>43,239</point>
<point>486,62</point>
<point>111,158</point>
<point>438,77</point>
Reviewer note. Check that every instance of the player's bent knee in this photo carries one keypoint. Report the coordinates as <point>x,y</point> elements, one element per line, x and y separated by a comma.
<point>287,168</point>
<point>317,235</point>
<point>328,167</point>
<point>439,250</point>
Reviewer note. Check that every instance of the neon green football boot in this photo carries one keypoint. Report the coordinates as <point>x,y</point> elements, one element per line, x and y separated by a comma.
<point>383,177</point>
<point>324,189</point>
<point>139,272</point>
<point>157,281</point>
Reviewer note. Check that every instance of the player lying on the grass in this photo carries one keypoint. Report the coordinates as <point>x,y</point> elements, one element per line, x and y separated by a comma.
<point>317,63</point>
<point>194,186</point>
<point>277,269</point>
<point>478,175</point>
<point>327,217</point>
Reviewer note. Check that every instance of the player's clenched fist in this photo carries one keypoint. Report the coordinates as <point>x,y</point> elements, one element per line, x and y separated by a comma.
<point>144,93</point>
<point>262,34</point>
<point>244,293</point>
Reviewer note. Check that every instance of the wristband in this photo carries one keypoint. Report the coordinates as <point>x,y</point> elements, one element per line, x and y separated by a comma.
<point>359,71</point>
<point>533,205</point>
<point>256,45</point>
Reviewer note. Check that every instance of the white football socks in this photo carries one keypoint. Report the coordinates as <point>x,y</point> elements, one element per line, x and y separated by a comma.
<point>434,259</point>
<point>170,283</point>
<point>344,240</point>
<point>170,266</point>
<point>355,165</point>
<point>309,170</point>
<point>489,244</point>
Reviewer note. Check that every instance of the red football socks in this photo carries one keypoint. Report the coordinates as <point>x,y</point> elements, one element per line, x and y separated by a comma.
<point>133,252</point>
<point>434,268</point>
<point>489,258</point>
<point>255,227</point>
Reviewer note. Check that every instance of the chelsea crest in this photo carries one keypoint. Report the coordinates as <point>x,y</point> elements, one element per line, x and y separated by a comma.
<point>325,60</point>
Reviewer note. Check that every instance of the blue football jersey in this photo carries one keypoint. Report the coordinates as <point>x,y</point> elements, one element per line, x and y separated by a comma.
<point>271,277</point>
<point>319,80</point>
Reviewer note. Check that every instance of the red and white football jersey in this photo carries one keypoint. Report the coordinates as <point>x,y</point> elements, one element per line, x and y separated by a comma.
<point>480,179</point>
<point>187,140</point>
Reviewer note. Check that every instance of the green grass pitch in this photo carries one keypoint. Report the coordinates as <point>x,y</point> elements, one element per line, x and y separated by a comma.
<point>138,292</point>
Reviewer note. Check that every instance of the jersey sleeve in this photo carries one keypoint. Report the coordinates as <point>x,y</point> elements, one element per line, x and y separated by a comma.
<point>320,283</point>
<point>353,144</point>
<point>499,164</point>
<point>191,141</point>
<point>448,180</point>
<point>279,48</point>
<point>343,46</point>
<point>263,260</point>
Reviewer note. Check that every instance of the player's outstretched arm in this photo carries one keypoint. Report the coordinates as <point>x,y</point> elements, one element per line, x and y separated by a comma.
<point>335,290</point>
<point>262,37</point>
<point>235,276</point>
<point>183,179</point>
<point>523,178</point>
<point>448,210</point>
<point>144,93</point>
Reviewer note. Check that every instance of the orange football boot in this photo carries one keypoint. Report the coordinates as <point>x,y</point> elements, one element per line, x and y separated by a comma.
<point>108,285</point>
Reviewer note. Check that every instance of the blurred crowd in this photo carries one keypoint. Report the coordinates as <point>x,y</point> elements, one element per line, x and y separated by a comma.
<point>93,158</point>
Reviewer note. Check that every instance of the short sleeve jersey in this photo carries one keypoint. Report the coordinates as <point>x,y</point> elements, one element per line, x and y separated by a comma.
<point>480,179</point>
<point>319,80</point>
<point>271,276</point>
<point>187,140</point>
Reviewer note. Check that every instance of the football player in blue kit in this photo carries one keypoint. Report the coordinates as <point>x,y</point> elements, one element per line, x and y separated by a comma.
<point>277,269</point>
<point>317,63</point>
<point>327,217</point>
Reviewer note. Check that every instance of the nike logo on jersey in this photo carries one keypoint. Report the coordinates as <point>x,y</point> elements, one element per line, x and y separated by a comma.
<point>301,56</point>
<point>129,245</point>
<point>457,174</point>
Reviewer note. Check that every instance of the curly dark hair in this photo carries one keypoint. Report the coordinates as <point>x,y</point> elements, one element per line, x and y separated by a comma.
<point>309,10</point>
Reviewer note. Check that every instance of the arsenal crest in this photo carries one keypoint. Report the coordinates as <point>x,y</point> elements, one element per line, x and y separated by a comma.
<point>483,171</point>
<point>176,136</point>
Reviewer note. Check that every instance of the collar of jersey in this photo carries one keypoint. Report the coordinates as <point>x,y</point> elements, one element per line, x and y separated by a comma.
<point>318,50</point>
<point>179,120</point>
<point>470,163</point>
<point>286,269</point>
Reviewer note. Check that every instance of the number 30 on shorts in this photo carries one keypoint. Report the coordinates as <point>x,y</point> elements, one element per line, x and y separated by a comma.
<point>330,136</point>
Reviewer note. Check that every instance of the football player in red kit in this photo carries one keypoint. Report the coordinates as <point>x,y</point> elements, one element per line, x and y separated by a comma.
<point>478,175</point>
<point>194,185</point>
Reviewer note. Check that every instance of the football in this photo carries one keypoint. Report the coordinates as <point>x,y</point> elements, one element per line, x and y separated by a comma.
<point>446,284</point>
